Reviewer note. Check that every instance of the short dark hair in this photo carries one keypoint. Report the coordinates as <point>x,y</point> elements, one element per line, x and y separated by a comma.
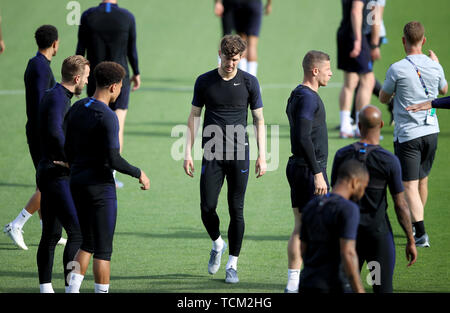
<point>352,169</point>
<point>107,73</point>
<point>45,36</point>
<point>73,66</point>
<point>312,58</point>
<point>232,45</point>
<point>413,32</point>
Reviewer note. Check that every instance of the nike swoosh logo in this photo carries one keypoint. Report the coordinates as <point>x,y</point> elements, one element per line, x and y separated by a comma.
<point>103,291</point>
<point>244,171</point>
<point>236,84</point>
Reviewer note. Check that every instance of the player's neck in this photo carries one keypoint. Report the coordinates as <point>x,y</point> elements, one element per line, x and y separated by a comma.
<point>372,138</point>
<point>311,83</point>
<point>102,96</point>
<point>47,53</point>
<point>69,86</point>
<point>225,75</point>
<point>342,190</point>
<point>412,50</point>
<point>110,1</point>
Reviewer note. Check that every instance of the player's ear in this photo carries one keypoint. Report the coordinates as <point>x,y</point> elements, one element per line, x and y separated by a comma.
<point>315,71</point>
<point>424,40</point>
<point>381,124</point>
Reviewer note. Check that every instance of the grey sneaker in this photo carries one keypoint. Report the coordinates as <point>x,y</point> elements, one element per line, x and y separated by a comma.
<point>15,233</point>
<point>214,259</point>
<point>422,241</point>
<point>231,276</point>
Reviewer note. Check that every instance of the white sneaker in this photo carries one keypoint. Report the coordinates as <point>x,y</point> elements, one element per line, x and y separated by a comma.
<point>214,259</point>
<point>15,233</point>
<point>62,241</point>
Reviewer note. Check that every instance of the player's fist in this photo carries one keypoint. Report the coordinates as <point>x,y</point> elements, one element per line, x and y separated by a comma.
<point>144,181</point>
<point>188,166</point>
<point>433,55</point>
<point>218,8</point>
<point>136,80</point>
<point>260,167</point>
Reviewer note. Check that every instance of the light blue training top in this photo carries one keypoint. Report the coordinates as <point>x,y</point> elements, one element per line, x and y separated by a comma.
<point>403,80</point>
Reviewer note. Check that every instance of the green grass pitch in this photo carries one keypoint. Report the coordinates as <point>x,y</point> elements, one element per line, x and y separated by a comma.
<point>160,243</point>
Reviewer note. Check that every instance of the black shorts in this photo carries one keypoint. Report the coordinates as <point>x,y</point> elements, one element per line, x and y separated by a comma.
<point>122,100</point>
<point>247,16</point>
<point>301,181</point>
<point>362,64</point>
<point>416,156</point>
<point>227,18</point>
<point>97,213</point>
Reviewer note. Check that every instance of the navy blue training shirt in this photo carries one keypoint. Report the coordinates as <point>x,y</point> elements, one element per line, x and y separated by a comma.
<point>38,78</point>
<point>326,220</point>
<point>52,109</point>
<point>384,170</point>
<point>308,128</point>
<point>441,103</point>
<point>92,144</point>
<point>108,33</point>
<point>227,103</point>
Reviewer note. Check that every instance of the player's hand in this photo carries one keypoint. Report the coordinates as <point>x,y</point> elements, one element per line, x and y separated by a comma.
<point>218,8</point>
<point>411,252</point>
<point>320,185</point>
<point>260,167</point>
<point>2,46</point>
<point>61,163</point>
<point>375,53</point>
<point>188,166</point>
<point>433,55</point>
<point>356,49</point>
<point>144,181</point>
<point>268,9</point>
<point>136,79</point>
<point>419,107</point>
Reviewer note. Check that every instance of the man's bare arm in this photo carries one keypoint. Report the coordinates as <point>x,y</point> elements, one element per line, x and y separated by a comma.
<point>350,262</point>
<point>258,121</point>
<point>192,124</point>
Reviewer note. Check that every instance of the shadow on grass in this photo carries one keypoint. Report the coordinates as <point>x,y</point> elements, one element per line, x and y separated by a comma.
<point>161,283</point>
<point>184,234</point>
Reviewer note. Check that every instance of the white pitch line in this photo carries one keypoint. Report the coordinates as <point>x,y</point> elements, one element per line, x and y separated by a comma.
<point>19,92</point>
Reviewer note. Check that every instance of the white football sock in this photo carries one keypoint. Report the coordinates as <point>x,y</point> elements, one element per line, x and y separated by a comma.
<point>232,262</point>
<point>252,67</point>
<point>101,288</point>
<point>243,64</point>
<point>75,283</point>
<point>21,219</point>
<point>346,125</point>
<point>293,279</point>
<point>217,245</point>
<point>46,288</point>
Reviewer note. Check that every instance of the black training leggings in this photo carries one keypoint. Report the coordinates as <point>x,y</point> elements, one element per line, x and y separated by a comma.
<point>378,247</point>
<point>58,210</point>
<point>213,174</point>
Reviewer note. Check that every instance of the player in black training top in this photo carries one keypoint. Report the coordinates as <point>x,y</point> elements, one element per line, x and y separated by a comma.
<point>108,33</point>
<point>92,150</point>
<point>57,207</point>
<point>375,242</point>
<point>306,170</point>
<point>38,78</point>
<point>226,93</point>
<point>328,235</point>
